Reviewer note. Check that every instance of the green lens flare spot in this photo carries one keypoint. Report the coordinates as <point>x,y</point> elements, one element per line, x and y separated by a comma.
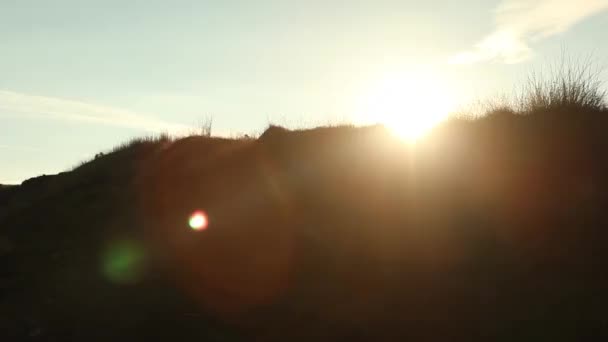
<point>123,262</point>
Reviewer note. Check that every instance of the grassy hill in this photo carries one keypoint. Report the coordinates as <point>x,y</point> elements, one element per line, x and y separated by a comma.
<point>491,229</point>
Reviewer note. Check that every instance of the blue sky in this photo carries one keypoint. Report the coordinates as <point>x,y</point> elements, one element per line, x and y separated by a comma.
<point>79,77</point>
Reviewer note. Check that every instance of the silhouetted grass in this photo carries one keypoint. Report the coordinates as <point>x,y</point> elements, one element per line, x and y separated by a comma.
<point>567,87</point>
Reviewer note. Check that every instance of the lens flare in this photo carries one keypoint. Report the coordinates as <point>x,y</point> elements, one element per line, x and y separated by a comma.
<point>198,220</point>
<point>123,262</point>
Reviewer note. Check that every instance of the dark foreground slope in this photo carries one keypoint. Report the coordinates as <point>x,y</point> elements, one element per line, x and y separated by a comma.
<point>493,229</point>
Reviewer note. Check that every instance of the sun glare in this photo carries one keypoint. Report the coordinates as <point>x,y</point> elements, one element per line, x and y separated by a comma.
<point>409,104</point>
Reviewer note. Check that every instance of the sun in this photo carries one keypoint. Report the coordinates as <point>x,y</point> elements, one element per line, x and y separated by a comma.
<point>408,103</point>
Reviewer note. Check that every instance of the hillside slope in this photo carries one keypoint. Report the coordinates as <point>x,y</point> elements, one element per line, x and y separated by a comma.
<point>489,229</point>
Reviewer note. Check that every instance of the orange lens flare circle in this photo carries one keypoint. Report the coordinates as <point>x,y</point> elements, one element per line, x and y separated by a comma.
<point>198,220</point>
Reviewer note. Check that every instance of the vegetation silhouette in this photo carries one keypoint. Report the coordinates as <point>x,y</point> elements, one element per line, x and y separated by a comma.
<point>492,228</point>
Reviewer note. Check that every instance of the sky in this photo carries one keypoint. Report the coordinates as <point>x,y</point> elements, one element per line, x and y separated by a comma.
<point>78,77</point>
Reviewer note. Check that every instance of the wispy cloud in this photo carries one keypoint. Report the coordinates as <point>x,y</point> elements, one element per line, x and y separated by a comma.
<point>519,23</point>
<point>25,105</point>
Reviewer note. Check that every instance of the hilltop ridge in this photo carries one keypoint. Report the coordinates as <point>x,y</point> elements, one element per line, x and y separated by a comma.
<point>491,227</point>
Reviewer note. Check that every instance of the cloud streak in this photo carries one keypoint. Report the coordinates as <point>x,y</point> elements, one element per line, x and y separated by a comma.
<point>34,106</point>
<point>519,23</point>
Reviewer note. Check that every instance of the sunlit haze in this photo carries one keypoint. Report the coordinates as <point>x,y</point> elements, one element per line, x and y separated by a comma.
<point>281,170</point>
<point>80,78</point>
<point>408,103</point>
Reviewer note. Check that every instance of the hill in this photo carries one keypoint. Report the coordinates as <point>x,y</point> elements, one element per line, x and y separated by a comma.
<point>489,229</point>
